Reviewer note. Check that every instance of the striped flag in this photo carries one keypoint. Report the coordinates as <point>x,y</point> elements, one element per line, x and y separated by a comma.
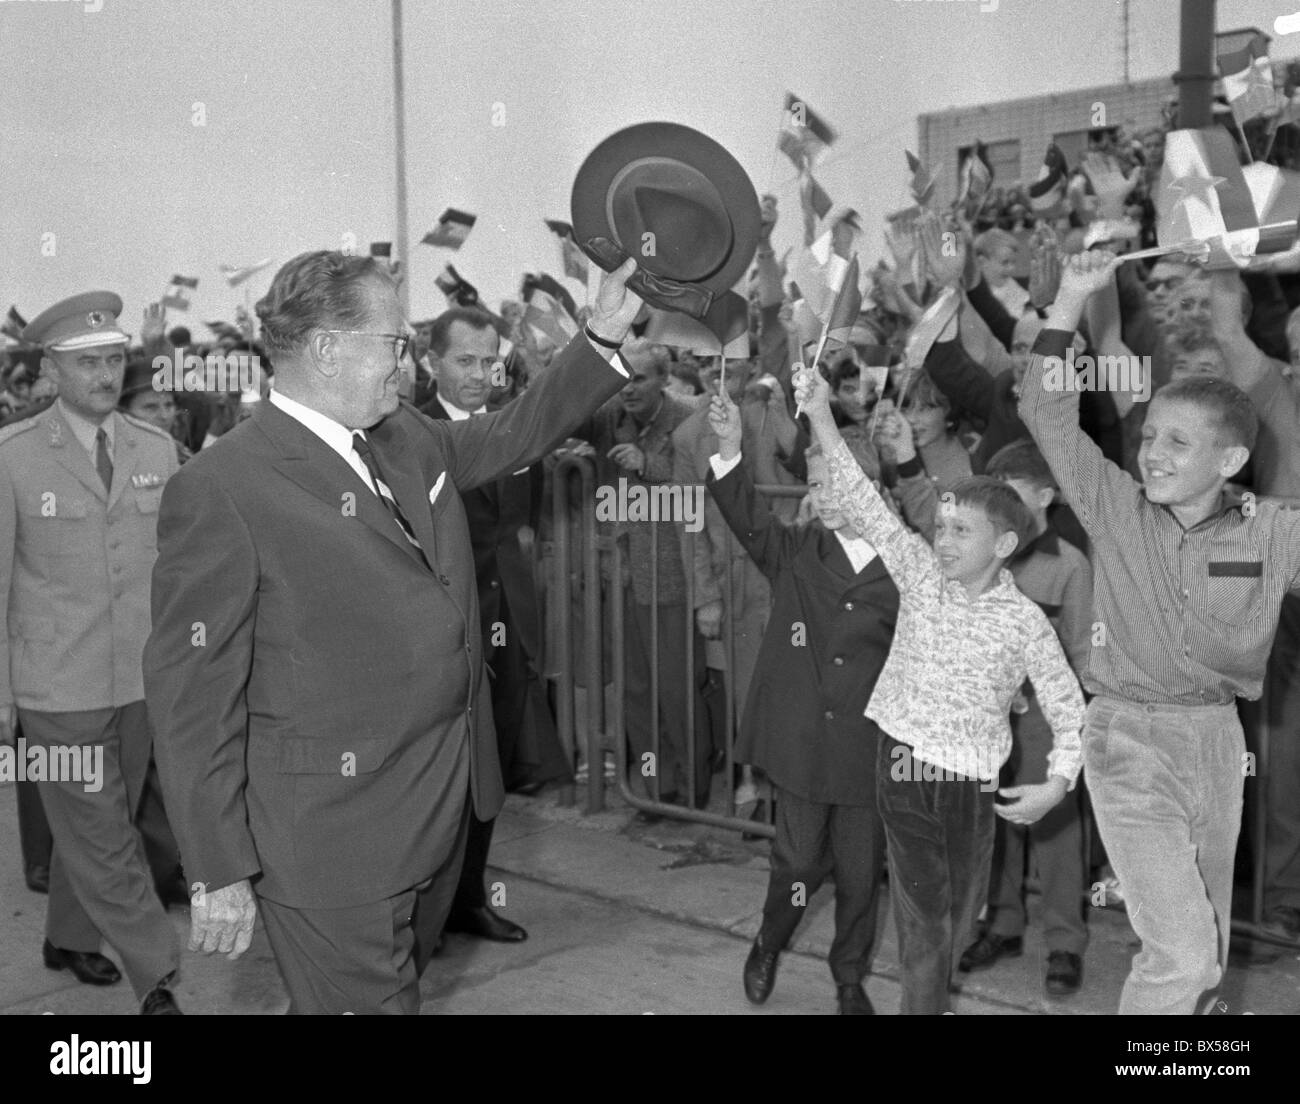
<point>1204,197</point>
<point>1048,192</point>
<point>1248,80</point>
<point>176,301</point>
<point>13,324</point>
<point>190,282</point>
<point>804,135</point>
<point>545,317</point>
<point>459,291</point>
<point>844,311</point>
<point>237,275</point>
<point>976,177</point>
<point>574,259</point>
<point>922,186</point>
<point>452,229</point>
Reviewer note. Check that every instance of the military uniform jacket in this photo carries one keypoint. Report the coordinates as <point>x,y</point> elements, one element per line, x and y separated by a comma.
<point>826,641</point>
<point>75,562</point>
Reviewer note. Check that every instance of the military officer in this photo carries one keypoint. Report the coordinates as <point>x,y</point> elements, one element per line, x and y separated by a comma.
<point>80,486</point>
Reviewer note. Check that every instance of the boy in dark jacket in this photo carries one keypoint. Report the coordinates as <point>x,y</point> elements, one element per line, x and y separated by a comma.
<point>833,612</point>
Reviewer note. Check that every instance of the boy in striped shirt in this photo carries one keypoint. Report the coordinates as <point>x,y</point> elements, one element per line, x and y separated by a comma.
<point>965,642</point>
<point>1186,593</point>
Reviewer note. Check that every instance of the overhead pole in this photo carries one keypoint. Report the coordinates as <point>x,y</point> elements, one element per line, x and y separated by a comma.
<point>1195,77</point>
<point>400,245</point>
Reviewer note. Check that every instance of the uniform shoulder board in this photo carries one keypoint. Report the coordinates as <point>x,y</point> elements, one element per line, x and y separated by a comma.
<point>9,432</point>
<point>140,423</point>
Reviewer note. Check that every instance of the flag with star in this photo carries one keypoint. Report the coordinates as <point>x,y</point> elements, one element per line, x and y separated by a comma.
<point>1203,196</point>
<point>1047,192</point>
<point>1248,80</point>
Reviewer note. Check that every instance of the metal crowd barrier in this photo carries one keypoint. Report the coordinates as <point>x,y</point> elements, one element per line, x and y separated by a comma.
<point>603,731</point>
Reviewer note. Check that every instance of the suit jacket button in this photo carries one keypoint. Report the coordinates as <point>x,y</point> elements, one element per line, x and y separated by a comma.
<point>848,605</point>
<point>494,583</point>
<point>838,661</point>
<point>830,714</point>
<point>444,580</point>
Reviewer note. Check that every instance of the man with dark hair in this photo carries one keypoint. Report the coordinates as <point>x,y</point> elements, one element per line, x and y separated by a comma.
<point>464,348</point>
<point>315,672</point>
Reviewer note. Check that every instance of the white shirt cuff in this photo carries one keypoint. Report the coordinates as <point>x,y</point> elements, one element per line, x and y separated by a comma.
<point>723,467</point>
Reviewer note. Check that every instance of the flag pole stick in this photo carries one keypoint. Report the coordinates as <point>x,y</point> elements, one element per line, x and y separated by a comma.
<point>1242,131</point>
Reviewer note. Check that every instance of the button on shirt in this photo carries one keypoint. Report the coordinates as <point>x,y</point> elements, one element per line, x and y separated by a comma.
<point>1181,616</point>
<point>956,663</point>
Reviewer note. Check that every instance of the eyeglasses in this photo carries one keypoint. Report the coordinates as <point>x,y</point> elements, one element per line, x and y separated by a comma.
<point>401,342</point>
<point>1156,285</point>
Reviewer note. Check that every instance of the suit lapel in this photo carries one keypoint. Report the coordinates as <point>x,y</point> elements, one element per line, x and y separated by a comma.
<point>320,471</point>
<point>406,481</point>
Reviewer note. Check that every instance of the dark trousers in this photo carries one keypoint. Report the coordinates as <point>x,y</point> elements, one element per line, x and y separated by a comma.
<point>1057,843</point>
<point>815,840</point>
<point>359,960</point>
<point>433,901</point>
<point>527,744</point>
<point>940,838</point>
<point>160,847</point>
<point>675,687</point>
<point>99,881</point>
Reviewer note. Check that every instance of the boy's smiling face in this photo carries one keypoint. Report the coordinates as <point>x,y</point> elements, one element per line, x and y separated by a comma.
<point>969,547</point>
<point>1182,459</point>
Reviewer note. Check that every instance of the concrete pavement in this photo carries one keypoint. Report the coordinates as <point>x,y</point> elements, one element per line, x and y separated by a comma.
<point>622,918</point>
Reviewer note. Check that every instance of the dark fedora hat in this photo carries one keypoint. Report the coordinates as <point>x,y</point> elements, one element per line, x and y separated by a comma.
<point>676,201</point>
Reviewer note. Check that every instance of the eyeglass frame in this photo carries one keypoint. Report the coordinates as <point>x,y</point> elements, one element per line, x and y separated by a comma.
<point>401,350</point>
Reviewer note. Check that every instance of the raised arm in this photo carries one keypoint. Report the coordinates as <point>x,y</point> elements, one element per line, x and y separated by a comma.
<point>1101,494</point>
<point>906,555</point>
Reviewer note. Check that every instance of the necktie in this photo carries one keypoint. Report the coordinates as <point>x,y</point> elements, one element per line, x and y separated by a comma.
<point>371,462</point>
<point>103,464</point>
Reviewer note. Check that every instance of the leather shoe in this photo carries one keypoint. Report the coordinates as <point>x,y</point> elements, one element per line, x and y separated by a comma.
<point>1064,973</point>
<point>760,971</point>
<point>159,1000</point>
<point>88,967</point>
<point>854,1001</point>
<point>987,949</point>
<point>37,878</point>
<point>483,923</point>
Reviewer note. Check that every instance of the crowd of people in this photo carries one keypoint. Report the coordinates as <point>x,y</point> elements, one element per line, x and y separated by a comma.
<point>818,589</point>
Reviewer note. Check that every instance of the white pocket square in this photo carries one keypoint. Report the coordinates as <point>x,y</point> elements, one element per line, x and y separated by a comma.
<point>433,493</point>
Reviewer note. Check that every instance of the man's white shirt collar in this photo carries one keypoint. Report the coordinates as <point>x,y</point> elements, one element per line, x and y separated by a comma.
<point>335,434</point>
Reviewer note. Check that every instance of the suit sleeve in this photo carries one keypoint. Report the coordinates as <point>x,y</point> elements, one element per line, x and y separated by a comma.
<point>964,382</point>
<point>1059,697</point>
<point>479,450</point>
<point>196,666</point>
<point>1103,496</point>
<point>697,548</point>
<point>769,544</point>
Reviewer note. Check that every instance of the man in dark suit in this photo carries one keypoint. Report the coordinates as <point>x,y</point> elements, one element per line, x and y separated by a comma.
<point>315,671</point>
<point>464,350</point>
<point>834,607</point>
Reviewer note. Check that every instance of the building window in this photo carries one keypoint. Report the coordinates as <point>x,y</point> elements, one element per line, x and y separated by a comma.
<point>1003,159</point>
<point>1076,143</point>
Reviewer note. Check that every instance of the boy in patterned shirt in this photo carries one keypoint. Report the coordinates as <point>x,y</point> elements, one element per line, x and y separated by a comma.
<point>965,642</point>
